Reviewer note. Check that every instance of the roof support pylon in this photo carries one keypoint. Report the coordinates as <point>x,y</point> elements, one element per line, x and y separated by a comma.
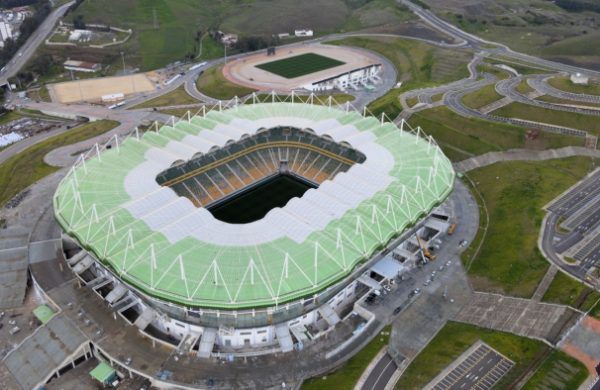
<point>97,151</point>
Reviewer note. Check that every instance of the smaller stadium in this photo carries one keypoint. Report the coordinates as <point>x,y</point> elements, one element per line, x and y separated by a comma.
<point>255,227</point>
<point>311,68</point>
<point>300,65</point>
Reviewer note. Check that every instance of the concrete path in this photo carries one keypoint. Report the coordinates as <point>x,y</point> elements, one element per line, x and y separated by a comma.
<point>523,317</point>
<point>523,155</point>
<point>545,283</point>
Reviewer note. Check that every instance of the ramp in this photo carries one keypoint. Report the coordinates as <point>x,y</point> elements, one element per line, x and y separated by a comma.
<point>83,265</point>
<point>330,316</point>
<point>207,342</point>
<point>13,267</point>
<point>145,318</point>
<point>284,337</point>
<point>369,282</point>
<point>116,294</point>
<point>299,332</point>
<point>77,258</point>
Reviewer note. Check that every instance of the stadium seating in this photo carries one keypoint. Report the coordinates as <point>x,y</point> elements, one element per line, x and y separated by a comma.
<point>209,177</point>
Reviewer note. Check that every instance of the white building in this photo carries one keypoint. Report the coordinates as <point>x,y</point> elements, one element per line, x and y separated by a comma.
<point>354,79</point>
<point>81,66</point>
<point>579,78</point>
<point>5,32</point>
<point>303,33</point>
<point>80,35</point>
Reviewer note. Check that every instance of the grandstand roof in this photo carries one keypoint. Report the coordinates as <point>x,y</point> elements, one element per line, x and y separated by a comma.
<point>165,246</point>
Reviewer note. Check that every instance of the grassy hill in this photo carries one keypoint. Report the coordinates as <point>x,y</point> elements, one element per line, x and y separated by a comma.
<point>164,30</point>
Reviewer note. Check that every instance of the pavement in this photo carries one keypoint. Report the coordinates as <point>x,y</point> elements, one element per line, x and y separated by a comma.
<point>523,317</point>
<point>523,155</point>
<point>540,84</point>
<point>381,373</point>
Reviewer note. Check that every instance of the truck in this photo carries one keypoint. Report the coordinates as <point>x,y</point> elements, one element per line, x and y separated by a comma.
<point>451,228</point>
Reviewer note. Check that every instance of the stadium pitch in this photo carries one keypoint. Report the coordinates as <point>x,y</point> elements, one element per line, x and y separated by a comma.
<point>254,204</point>
<point>300,65</point>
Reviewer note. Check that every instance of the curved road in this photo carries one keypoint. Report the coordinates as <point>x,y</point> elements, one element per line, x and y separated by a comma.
<point>540,84</point>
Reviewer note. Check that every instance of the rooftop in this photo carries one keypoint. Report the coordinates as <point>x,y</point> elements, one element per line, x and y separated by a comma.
<point>163,244</point>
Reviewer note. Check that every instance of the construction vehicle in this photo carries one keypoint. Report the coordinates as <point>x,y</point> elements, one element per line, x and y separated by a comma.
<point>424,250</point>
<point>451,228</point>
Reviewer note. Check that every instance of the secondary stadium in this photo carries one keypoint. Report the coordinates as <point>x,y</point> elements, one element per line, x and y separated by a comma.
<point>238,227</point>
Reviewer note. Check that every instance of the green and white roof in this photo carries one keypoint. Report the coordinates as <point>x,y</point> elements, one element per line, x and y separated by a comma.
<point>162,244</point>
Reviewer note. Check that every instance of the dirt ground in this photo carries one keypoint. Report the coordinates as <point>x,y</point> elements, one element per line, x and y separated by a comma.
<point>244,71</point>
<point>92,90</point>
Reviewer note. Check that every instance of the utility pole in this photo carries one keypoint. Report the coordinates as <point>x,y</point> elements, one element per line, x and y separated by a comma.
<point>155,19</point>
<point>123,60</point>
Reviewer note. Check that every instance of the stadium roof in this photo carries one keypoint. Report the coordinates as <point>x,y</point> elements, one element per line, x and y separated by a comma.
<point>164,245</point>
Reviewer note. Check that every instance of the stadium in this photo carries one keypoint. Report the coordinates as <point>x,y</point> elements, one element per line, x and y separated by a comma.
<point>248,227</point>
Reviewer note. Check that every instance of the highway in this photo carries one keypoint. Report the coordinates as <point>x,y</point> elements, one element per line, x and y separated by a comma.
<point>30,46</point>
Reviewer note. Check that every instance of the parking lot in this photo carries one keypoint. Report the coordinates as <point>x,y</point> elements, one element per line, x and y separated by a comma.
<point>479,369</point>
<point>576,212</point>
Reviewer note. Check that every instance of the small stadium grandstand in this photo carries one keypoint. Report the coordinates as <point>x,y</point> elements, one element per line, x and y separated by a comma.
<point>143,212</point>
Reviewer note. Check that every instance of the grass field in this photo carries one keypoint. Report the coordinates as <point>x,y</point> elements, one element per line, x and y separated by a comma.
<point>212,83</point>
<point>488,68</point>
<point>300,65</point>
<point>559,371</point>
<point>418,64</point>
<point>590,123</point>
<point>482,97</point>
<point>509,261</point>
<point>27,167</point>
<point>567,291</point>
<point>346,377</point>
<point>176,97</point>
<point>462,138</point>
<point>455,338</point>
<point>523,88</point>
<point>565,84</point>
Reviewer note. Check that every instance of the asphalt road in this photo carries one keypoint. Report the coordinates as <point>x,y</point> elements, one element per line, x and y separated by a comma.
<point>576,202</point>
<point>31,45</point>
<point>381,374</point>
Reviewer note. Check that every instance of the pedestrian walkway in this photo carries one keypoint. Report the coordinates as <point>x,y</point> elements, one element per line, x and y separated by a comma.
<point>545,283</point>
<point>523,155</point>
<point>523,317</point>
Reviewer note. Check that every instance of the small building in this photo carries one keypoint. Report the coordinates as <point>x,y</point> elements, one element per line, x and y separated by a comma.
<point>354,79</point>
<point>43,313</point>
<point>579,78</point>
<point>283,35</point>
<point>113,97</point>
<point>303,33</point>
<point>80,35</point>
<point>5,31</point>
<point>82,66</point>
<point>229,39</point>
<point>105,374</point>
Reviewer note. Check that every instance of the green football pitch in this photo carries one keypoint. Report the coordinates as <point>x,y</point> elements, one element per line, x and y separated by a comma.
<point>299,65</point>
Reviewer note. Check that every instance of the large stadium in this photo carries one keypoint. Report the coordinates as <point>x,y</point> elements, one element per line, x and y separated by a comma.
<point>237,227</point>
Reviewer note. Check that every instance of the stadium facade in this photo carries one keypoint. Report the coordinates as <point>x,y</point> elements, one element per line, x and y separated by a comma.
<point>155,253</point>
